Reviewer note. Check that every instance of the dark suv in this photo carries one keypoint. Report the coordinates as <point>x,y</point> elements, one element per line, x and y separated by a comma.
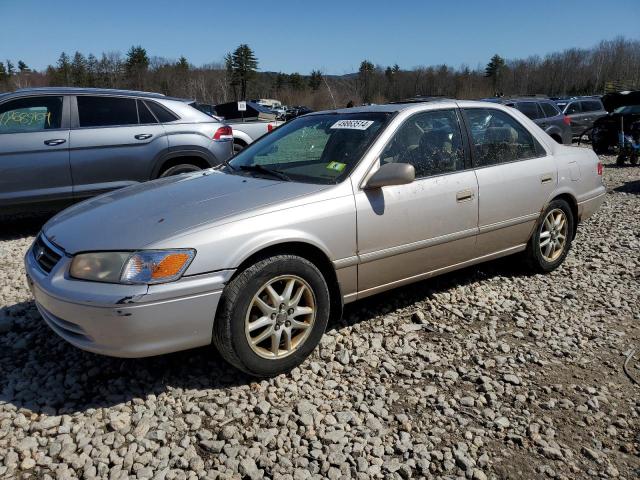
<point>583,112</point>
<point>545,113</point>
<point>59,145</point>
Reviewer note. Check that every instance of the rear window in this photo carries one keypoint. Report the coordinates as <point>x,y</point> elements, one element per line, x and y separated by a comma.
<point>162,114</point>
<point>549,109</point>
<point>106,111</point>
<point>530,109</point>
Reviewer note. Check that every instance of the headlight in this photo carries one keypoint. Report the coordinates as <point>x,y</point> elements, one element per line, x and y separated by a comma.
<point>144,267</point>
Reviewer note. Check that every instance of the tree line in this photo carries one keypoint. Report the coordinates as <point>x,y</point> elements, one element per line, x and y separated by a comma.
<point>610,65</point>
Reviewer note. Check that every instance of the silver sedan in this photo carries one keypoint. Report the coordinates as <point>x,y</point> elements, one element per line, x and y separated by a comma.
<point>257,256</point>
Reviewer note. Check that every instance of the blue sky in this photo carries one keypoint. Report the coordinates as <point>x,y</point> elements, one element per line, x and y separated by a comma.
<point>302,35</point>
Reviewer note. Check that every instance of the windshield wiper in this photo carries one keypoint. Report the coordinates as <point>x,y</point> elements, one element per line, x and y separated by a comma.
<point>262,169</point>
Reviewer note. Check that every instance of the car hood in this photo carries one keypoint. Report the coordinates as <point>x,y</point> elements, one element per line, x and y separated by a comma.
<point>137,216</point>
<point>611,101</point>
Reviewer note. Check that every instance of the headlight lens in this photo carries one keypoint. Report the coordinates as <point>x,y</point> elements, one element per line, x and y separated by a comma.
<point>144,267</point>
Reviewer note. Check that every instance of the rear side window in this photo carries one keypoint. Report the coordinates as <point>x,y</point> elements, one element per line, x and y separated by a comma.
<point>162,114</point>
<point>530,109</point>
<point>573,107</point>
<point>499,138</point>
<point>592,106</point>
<point>106,111</point>
<point>31,114</point>
<point>144,114</point>
<point>549,109</point>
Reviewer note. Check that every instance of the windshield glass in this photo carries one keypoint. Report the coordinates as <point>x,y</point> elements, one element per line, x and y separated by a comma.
<point>315,149</point>
<point>629,109</point>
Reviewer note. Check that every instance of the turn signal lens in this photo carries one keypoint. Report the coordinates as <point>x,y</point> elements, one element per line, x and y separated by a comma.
<point>566,120</point>
<point>156,266</point>
<point>600,168</point>
<point>223,134</point>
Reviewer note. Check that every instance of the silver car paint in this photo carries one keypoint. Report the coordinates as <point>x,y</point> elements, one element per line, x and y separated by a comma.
<point>94,160</point>
<point>375,241</point>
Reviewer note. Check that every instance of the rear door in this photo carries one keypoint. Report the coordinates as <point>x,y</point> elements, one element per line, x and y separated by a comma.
<point>115,141</point>
<point>515,178</point>
<point>34,153</point>
<point>577,116</point>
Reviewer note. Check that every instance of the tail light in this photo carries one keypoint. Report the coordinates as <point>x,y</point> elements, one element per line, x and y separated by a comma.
<point>223,133</point>
<point>566,120</point>
<point>269,127</point>
<point>600,168</point>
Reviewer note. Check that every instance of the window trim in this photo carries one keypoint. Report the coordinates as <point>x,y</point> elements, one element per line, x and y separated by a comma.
<point>64,118</point>
<point>536,105</point>
<point>171,112</point>
<point>474,160</point>
<point>466,146</point>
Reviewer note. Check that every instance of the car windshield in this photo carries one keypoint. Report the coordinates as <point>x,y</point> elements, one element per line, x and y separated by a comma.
<point>320,148</point>
<point>628,109</point>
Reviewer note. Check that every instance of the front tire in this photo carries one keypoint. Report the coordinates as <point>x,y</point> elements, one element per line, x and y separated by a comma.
<point>551,240</point>
<point>272,315</point>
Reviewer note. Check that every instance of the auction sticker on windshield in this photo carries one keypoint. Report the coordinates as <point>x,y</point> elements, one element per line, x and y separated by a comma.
<point>353,124</point>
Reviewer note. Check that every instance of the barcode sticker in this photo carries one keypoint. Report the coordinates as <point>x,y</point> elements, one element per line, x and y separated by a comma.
<point>353,124</point>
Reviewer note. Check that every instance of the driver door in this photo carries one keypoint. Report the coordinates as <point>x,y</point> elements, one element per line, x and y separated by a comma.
<point>407,232</point>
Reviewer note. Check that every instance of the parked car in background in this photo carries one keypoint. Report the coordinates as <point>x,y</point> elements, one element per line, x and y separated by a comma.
<point>247,125</point>
<point>327,209</point>
<point>294,112</point>
<point>583,112</point>
<point>623,112</point>
<point>60,145</point>
<point>545,113</point>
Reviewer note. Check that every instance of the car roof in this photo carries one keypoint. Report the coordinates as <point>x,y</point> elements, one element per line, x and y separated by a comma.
<point>93,91</point>
<point>517,99</point>
<point>390,107</point>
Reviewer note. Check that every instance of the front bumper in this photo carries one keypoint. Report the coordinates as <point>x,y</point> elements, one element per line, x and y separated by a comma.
<point>126,320</point>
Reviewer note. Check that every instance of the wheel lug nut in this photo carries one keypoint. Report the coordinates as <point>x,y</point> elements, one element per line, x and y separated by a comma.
<point>273,316</point>
<point>291,311</point>
<point>287,324</point>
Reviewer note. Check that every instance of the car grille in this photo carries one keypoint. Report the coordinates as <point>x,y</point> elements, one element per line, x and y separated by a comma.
<point>44,255</point>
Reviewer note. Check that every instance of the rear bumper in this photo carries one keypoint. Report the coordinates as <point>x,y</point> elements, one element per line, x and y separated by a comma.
<point>173,317</point>
<point>588,207</point>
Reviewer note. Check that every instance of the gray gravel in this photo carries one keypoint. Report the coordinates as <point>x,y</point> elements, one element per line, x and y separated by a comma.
<point>484,373</point>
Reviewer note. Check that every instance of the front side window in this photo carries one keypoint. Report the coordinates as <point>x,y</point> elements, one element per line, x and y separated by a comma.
<point>315,149</point>
<point>31,114</point>
<point>430,141</point>
<point>106,111</point>
<point>498,137</point>
<point>530,109</point>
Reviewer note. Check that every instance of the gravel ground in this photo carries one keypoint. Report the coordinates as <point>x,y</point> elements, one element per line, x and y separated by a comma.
<point>484,373</point>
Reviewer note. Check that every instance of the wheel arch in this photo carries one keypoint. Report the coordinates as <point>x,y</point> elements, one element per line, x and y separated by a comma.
<point>310,252</point>
<point>194,157</point>
<point>573,203</point>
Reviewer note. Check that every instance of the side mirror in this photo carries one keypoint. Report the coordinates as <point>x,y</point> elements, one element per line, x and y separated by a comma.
<point>392,174</point>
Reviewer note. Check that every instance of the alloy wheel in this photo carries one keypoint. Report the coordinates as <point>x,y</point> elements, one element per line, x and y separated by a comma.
<point>553,235</point>
<point>280,317</point>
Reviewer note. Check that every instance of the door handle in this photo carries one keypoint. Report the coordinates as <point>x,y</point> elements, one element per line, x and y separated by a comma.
<point>55,141</point>
<point>546,178</point>
<point>464,196</point>
<point>143,136</point>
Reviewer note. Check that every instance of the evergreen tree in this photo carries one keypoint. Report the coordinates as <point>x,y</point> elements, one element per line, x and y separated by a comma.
<point>63,70</point>
<point>10,68</point>
<point>315,80</point>
<point>365,74</point>
<point>495,70</point>
<point>79,70</point>
<point>295,81</point>
<point>3,73</point>
<point>136,66</point>
<point>183,64</point>
<point>243,65</point>
<point>22,67</point>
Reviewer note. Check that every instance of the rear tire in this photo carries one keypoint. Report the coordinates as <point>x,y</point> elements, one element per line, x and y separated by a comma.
<point>237,147</point>
<point>621,159</point>
<point>600,148</point>
<point>551,240</point>
<point>260,327</point>
<point>178,169</point>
